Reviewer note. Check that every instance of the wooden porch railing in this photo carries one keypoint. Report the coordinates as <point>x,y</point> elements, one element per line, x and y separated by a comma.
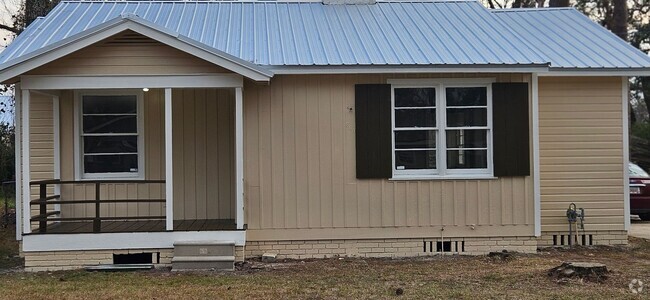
<point>44,200</point>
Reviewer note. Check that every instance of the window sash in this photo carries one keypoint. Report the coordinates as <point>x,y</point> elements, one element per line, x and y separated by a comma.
<point>441,132</point>
<point>80,140</point>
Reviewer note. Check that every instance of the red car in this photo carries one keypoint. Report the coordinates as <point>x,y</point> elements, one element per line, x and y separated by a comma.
<point>639,192</point>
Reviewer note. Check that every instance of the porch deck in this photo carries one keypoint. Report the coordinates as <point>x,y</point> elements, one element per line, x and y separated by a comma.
<point>140,226</point>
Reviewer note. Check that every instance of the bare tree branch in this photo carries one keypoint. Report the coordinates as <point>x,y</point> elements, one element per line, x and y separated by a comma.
<point>9,28</point>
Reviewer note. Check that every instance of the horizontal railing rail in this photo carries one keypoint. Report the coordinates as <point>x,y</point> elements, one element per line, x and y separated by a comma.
<point>44,200</point>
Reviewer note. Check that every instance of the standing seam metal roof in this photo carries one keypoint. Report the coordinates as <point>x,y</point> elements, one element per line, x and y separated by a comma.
<point>390,33</point>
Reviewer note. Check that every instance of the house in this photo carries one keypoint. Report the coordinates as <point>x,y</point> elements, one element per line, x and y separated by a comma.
<point>201,133</point>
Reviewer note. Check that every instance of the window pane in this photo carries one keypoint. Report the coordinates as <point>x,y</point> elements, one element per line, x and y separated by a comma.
<point>415,139</point>
<point>466,96</point>
<point>126,163</point>
<point>409,160</point>
<point>464,138</point>
<point>466,159</point>
<point>425,117</point>
<point>411,97</point>
<point>109,104</point>
<point>466,117</point>
<point>110,144</point>
<point>110,124</point>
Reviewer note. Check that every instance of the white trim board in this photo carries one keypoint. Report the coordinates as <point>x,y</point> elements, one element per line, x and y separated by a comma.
<point>626,151</point>
<point>169,162</point>
<point>26,175</point>
<point>126,240</point>
<point>18,161</point>
<point>48,82</point>
<point>536,164</point>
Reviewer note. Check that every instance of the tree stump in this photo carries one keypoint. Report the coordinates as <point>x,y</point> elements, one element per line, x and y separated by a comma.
<point>585,270</point>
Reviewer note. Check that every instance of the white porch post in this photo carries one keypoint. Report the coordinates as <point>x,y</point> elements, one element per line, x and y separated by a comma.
<point>239,156</point>
<point>26,195</point>
<point>169,171</point>
<point>18,162</point>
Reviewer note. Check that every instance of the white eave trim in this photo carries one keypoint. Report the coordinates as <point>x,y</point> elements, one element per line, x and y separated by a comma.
<point>91,36</point>
<point>381,69</point>
<point>631,72</point>
<point>54,82</point>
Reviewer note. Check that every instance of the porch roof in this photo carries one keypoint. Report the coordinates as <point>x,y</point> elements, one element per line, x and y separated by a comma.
<point>27,60</point>
<point>291,37</point>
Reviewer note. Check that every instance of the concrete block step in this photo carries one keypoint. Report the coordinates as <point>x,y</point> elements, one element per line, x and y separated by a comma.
<point>204,248</point>
<point>188,263</point>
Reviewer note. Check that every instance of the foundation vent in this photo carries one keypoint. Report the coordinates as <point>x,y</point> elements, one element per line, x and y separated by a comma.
<point>580,239</point>
<point>443,246</point>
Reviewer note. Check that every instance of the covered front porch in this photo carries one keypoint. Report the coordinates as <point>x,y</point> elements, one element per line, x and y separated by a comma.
<point>171,163</point>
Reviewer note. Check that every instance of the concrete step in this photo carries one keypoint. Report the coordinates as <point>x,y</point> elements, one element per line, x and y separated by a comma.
<point>204,248</point>
<point>187,263</point>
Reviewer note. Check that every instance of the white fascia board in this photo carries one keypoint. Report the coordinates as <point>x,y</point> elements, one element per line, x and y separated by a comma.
<point>596,72</point>
<point>125,240</point>
<point>53,82</point>
<point>309,70</point>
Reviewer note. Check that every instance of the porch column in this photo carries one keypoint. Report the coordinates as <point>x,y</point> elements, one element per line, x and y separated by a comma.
<point>26,195</point>
<point>18,162</point>
<point>169,171</point>
<point>239,157</point>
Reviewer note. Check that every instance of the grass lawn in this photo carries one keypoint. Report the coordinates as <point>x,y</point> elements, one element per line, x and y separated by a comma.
<point>443,277</point>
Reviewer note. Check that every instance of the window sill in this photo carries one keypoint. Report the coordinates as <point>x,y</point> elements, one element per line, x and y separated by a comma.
<point>448,177</point>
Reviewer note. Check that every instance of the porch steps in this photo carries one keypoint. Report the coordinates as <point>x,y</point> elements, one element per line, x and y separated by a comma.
<point>203,255</point>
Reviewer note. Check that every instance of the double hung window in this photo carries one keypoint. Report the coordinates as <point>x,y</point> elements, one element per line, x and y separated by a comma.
<point>441,130</point>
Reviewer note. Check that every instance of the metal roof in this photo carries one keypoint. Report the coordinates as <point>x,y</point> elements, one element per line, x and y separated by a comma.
<point>570,40</point>
<point>390,33</point>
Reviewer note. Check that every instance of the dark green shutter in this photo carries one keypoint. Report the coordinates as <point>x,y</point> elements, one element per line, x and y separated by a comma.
<point>373,131</point>
<point>510,116</point>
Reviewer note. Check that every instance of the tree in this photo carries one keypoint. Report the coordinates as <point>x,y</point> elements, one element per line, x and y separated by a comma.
<point>28,11</point>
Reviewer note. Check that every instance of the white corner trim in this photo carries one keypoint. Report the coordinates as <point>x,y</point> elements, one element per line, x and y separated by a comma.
<point>53,82</point>
<point>169,166</point>
<point>239,157</point>
<point>626,151</point>
<point>126,240</point>
<point>536,164</point>
<point>26,195</point>
<point>18,161</point>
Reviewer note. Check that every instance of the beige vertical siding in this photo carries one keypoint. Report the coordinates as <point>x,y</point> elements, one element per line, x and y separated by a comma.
<point>41,143</point>
<point>203,153</point>
<point>127,53</point>
<point>204,137</point>
<point>581,151</point>
<point>300,173</point>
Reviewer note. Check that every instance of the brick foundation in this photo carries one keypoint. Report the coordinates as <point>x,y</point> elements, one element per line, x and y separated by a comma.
<point>389,247</point>
<point>591,238</point>
<point>70,260</point>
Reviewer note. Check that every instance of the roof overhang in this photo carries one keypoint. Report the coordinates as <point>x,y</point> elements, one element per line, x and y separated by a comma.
<point>20,65</point>
<point>629,72</point>
<point>406,69</point>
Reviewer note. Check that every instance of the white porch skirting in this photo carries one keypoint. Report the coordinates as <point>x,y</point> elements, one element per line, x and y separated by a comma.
<point>127,240</point>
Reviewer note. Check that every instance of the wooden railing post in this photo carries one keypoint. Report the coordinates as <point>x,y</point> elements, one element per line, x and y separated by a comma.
<point>42,223</point>
<point>97,223</point>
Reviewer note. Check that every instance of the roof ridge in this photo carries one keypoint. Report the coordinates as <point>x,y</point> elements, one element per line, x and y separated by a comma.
<point>258,1</point>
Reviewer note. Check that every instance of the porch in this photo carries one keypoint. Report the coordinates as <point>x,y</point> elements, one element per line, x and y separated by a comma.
<point>188,171</point>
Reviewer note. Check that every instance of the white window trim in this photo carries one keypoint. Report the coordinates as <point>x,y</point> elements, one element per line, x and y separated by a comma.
<point>79,171</point>
<point>441,171</point>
